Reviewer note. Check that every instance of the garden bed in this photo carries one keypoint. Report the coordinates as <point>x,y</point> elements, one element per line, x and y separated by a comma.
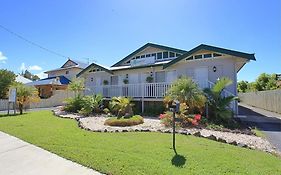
<point>96,124</point>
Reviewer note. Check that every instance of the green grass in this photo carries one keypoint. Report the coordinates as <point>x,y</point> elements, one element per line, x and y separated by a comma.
<point>136,153</point>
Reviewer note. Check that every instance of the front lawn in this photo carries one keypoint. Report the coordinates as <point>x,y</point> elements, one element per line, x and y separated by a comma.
<point>136,153</point>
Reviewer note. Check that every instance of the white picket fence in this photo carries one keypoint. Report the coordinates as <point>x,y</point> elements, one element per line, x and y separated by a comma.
<point>57,99</point>
<point>268,100</point>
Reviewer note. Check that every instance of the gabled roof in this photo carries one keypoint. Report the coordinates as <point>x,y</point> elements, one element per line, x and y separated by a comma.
<point>95,65</point>
<point>78,64</point>
<point>22,79</point>
<point>214,49</point>
<point>50,81</point>
<point>150,45</point>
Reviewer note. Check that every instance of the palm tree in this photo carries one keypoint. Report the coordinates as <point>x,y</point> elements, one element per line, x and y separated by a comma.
<point>186,91</point>
<point>77,86</point>
<point>122,106</point>
<point>219,104</point>
<point>25,95</point>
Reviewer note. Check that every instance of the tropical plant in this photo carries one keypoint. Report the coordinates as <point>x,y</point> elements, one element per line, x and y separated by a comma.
<point>186,91</point>
<point>6,79</point>
<point>25,95</point>
<point>218,104</point>
<point>74,104</point>
<point>149,79</point>
<point>91,104</point>
<point>77,86</point>
<point>125,81</point>
<point>121,106</point>
<point>105,82</point>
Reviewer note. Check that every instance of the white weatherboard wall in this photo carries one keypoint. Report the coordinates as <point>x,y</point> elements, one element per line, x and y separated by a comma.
<point>268,100</point>
<point>3,104</point>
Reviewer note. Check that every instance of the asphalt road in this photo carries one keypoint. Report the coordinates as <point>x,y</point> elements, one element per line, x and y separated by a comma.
<point>268,122</point>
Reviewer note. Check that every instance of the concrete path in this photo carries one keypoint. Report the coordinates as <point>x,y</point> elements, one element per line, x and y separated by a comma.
<point>268,122</point>
<point>18,157</point>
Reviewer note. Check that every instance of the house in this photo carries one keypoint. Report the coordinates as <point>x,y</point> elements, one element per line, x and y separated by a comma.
<point>21,79</point>
<point>147,73</point>
<point>59,78</point>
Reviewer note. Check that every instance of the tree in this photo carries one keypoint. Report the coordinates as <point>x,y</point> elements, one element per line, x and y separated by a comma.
<point>25,95</point>
<point>219,104</point>
<point>6,79</point>
<point>186,91</point>
<point>243,86</point>
<point>77,86</point>
<point>29,75</point>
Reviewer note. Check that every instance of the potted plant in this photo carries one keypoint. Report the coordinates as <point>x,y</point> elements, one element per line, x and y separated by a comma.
<point>125,81</point>
<point>105,82</point>
<point>149,79</point>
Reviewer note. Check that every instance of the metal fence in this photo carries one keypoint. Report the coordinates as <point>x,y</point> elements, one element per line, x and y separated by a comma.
<point>268,100</point>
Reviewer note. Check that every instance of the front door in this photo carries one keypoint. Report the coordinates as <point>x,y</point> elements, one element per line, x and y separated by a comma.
<point>201,76</point>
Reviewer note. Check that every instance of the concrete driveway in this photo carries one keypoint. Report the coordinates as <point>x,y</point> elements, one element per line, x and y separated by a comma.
<point>18,157</point>
<point>268,122</point>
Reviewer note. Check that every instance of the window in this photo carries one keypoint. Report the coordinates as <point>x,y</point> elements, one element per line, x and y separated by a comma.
<point>148,55</point>
<point>137,57</point>
<point>171,54</point>
<point>153,55</point>
<point>177,54</point>
<point>197,56</point>
<point>217,55</point>
<point>165,55</point>
<point>67,72</point>
<point>143,56</point>
<point>207,55</point>
<point>159,55</point>
<point>189,58</point>
<point>160,77</point>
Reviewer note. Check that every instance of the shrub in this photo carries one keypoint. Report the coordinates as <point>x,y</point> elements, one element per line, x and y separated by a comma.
<point>84,105</point>
<point>186,91</point>
<point>106,110</point>
<point>219,111</point>
<point>124,121</point>
<point>121,106</point>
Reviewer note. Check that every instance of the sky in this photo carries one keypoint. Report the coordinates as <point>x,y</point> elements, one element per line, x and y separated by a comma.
<point>107,31</point>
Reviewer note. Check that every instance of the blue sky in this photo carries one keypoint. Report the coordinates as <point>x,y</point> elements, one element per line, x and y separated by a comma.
<point>107,31</point>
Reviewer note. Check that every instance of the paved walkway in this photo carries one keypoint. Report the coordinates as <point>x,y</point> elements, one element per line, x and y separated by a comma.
<point>18,157</point>
<point>268,122</point>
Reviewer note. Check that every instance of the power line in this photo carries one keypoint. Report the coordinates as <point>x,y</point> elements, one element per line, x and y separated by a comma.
<point>32,43</point>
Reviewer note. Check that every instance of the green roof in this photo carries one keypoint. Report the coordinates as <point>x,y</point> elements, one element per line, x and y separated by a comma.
<point>94,65</point>
<point>214,49</point>
<point>151,45</point>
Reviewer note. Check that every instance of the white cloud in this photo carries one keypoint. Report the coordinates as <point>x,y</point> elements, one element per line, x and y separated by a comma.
<point>34,67</point>
<point>2,58</point>
<point>42,75</point>
<point>23,67</point>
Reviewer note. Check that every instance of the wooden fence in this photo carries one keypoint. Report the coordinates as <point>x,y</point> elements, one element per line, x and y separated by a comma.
<point>268,100</point>
<point>56,100</point>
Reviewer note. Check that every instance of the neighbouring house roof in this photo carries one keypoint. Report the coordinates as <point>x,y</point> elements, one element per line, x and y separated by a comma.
<point>22,79</point>
<point>77,64</point>
<point>149,45</point>
<point>214,49</point>
<point>59,80</point>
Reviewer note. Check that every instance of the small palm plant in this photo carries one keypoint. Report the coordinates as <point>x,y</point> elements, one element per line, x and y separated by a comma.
<point>91,104</point>
<point>218,104</point>
<point>77,86</point>
<point>186,91</point>
<point>122,106</point>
